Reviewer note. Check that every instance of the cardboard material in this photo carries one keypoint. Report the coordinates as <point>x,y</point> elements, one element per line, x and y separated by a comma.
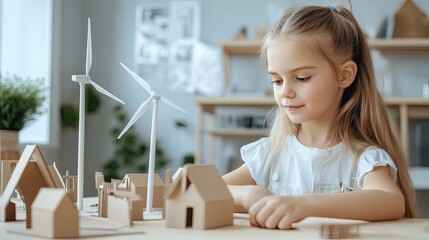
<point>70,183</point>
<point>7,167</point>
<point>137,183</point>
<point>410,22</point>
<point>119,210</point>
<point>56,176</point>
<point>102,191</point>
<point>199,198</point>
<point>120,207</point>
<point>54,215</point>
<point>29,176</point>
<point>103,200</point>
<point>167,187</point>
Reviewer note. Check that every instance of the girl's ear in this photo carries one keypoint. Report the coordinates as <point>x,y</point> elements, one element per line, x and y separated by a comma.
<point>348,74</point>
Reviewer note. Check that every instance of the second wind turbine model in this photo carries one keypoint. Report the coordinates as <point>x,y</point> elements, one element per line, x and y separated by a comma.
<point>83,80</point>
<point>154,98</point>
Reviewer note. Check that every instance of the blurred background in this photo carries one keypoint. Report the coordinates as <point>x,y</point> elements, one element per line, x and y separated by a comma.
<point>176,46</point>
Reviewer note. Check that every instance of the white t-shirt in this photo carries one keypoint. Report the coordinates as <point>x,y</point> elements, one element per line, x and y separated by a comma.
<point>305,170</point>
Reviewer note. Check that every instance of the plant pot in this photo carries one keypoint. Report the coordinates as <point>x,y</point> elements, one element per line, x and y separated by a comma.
<point>9,148</point>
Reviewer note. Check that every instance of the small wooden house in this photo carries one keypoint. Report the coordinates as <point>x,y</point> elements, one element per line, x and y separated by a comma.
<point>54,215</point>
<point>137,183</point>
<point>410,22</point>
<point>199,198</point>
<point>30,174</point>
<point>119,207</point>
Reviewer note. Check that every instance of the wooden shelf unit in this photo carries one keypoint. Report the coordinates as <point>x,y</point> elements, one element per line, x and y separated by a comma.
<point>406,108</point>
<point>251,48</point>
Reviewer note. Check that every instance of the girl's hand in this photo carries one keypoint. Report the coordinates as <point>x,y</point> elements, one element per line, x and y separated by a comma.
<point>253,195</point>
<point>245,196</point>
<point>279,211</point>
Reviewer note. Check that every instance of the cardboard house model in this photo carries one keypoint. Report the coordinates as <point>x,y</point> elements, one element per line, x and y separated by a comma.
<point>199,198</point>
<point>120,207</point>
<point>54,215</point>
<point>137,183</point>
<point>30,175</point>
<point>410,22</point>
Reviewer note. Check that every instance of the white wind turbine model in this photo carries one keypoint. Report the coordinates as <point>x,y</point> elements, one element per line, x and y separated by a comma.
<point>143,107</point>
<point>83,80</point>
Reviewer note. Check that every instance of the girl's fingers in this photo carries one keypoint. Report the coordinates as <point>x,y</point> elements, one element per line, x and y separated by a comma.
<point>260,212</point>
<point>273,219</point>
<point>285,222</point>
<point>253,212</point>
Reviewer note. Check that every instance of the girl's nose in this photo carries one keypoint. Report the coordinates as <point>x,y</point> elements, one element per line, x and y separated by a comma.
<point>287,90</point>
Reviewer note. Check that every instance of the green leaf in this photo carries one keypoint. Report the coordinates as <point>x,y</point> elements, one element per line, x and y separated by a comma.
<point>69,116</point>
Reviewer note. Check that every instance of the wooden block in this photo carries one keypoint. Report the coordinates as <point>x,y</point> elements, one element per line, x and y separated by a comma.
<point>337,231</point>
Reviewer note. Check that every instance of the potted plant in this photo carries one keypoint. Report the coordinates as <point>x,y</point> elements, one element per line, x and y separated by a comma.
<point>20,102</point>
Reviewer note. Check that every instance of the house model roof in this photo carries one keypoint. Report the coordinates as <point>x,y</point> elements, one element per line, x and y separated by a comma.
<point>206,179</point>
<point>56,195</point>
<point>141,179</point>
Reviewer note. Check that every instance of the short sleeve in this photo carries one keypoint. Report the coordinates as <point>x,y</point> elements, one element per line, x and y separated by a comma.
<point>371,158</point>
<point>254,154</point>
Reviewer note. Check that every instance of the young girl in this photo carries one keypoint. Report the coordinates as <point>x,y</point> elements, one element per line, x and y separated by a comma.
<point>331,132</point>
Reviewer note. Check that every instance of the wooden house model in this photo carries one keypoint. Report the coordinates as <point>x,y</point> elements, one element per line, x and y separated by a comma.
<point>137,183</point>
<point>120,207</point>
<point>199,198</point>
<point>54,215</point>
<point>30,175</point>
<point>410,21</point>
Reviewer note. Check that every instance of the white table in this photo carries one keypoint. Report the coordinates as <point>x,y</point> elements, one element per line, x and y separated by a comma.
<point>306,229</point>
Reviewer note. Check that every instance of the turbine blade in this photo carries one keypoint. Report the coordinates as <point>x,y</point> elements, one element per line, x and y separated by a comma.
<point>104,91</point>
<point>140,80</point>
<point>88,49</point>
<point>168,102</point>
<point>136,116</point>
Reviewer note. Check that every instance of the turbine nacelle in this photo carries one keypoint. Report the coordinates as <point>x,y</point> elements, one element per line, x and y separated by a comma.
<point>81,78</point>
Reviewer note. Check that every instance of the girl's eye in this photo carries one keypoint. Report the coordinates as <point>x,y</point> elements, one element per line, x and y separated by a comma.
<point>302,78</point>
<point>277,82</point>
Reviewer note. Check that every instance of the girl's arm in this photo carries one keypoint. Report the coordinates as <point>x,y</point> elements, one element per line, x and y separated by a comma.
<point>240,176</point>
<point>380,199</point>
<point>243,188</point>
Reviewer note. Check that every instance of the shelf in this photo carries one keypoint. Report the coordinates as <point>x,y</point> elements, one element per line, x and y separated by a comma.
<point>236,132</point>
<point>234,101</point>
<point>208,104</point>
<point>407,108</point>
<point>416,108</point>
<point>241,47</point>
<point>400,44</point>
<point>252,48</point>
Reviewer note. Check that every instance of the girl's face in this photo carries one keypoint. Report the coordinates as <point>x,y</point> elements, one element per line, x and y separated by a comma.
<point>304,83</point>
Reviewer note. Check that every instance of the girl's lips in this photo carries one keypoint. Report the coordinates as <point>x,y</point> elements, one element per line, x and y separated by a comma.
<point>293,107</point>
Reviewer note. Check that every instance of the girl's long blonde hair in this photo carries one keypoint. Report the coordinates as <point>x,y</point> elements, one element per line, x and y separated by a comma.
<point>362,119</point>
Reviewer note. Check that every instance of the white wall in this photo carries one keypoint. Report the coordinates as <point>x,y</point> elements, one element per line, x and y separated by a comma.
<point>113,24</point>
